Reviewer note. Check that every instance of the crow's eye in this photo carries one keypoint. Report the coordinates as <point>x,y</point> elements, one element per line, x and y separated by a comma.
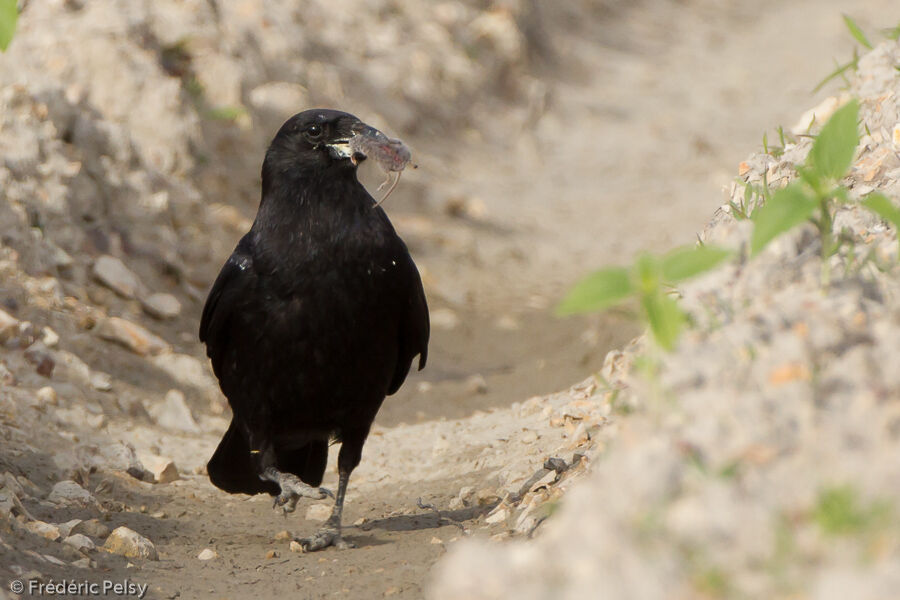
<point>314,132</point>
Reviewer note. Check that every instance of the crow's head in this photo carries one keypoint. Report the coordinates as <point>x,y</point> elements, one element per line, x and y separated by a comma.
<point>315,140</point>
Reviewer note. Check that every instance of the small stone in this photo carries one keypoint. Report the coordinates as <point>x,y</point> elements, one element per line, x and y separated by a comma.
<point>436,540</point>
<point>283,536</point>
<point>476,384</point>
<point>69,493</point>
<point>9,326</point>
<point>185,370</point>
<point>132,336</point>
<point>92,527</point>
<point>6,376</point>
<point>102,382</point>
<point>39,355</point>
<point>207,554</point>
<point>53,560</point>
<point>161,306</point>
<point>456,504</point>
<point>296,546</point>
<point>80,542</point>
<point>579,436</point>
<point>318,512</point>
<point>174,413</point>
<point>272,554</point>
<point>392,591</point>
<point>162,468</point>
<point>486,496</point>
<point>49,337</point>
<point>112,272</point>
<point>65,529</point>
<point>45,530</point>
<point>127,542</point>
<point>498,515</point>
<point>47,395</point>
<point>84,563</point>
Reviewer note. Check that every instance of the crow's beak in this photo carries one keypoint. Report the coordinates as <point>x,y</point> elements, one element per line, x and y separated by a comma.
<point>347,130</point>
<point>340,148</point>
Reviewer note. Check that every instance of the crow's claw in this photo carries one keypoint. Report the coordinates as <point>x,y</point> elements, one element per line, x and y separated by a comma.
<point>322,539</point>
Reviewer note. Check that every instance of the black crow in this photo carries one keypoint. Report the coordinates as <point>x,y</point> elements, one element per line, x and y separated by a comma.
<point>315,318</point>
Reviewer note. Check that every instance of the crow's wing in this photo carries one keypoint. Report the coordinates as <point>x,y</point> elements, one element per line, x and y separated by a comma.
<point>235,281</point>
<point>414,329</point>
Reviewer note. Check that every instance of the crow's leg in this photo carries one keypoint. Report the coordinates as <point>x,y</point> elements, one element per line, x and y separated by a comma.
<point>292,488</point>
<point>330,533</point>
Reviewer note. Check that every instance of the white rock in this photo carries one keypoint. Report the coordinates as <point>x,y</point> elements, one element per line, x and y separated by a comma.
<point>131,335</point>
<point>45,530</point>
<point>207,554</point>
<point>476,384</point>
<point>101,381</point>
<point>9,326</point>
<point>498,515</point>
<point>112,272</point>
<point>69,493</point>
<point>185,369</point>
<point>49,337</point>
<point>80,542</point>
<point>92,527</point>
<point>47,395</point>
<point>162,468</point>
<point>127,542</point>
<point>161,306</point>
<point>84,563</point>
<point>65,529</point>
<point>318,512</point>
<point>173,413</point>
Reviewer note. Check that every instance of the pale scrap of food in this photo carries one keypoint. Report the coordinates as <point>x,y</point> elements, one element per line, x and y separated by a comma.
<point>392,155</point>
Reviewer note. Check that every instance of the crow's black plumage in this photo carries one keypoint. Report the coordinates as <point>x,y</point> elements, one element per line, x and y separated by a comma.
<point>313,320</point>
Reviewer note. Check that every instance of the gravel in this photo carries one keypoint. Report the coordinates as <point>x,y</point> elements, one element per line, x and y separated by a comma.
<point>762,459</point>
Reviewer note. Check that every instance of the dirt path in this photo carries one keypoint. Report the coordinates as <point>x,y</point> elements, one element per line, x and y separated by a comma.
<point>661,103</point>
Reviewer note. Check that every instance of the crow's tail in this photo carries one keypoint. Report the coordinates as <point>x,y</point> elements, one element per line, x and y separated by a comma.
<point>232,468</point>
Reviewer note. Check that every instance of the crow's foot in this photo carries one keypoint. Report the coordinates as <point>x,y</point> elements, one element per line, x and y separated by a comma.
<point>327,536</point>
<point>292,489</point>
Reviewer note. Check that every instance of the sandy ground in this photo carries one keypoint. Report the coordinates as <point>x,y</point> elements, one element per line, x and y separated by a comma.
<point>656,104</point>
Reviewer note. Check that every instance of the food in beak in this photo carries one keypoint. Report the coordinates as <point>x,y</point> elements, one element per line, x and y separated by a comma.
<point>392,155</point>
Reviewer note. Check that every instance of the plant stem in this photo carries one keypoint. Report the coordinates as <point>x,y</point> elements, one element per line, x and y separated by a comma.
<point>825,225</point>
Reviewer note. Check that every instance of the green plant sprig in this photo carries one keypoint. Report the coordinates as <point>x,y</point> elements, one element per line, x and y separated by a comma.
<point>813,196</point>
<point>9,16</point>
<point>648,280</point>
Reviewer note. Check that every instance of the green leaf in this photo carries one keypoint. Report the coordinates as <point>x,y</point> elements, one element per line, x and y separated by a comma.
<point>665,318</point>
<point>883,207</point>
<point>9,14</point>
<point>838,71</point>
<point>787,208</point>
<point>686,262</point>
<point>856,32</point>
<point>892,33</point>
<point>226,113</point>
<point>833,150</point>
<point>597,291</point>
